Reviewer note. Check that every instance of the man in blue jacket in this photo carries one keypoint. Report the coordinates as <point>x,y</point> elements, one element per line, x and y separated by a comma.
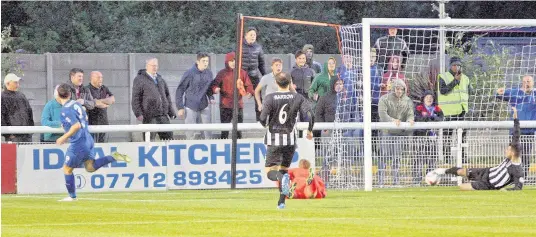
<point>524,99</point>
<point>194,96</point>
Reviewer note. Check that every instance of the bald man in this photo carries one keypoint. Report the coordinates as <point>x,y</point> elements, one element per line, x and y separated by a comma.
<point>103,99</point>
<point>524,99</point>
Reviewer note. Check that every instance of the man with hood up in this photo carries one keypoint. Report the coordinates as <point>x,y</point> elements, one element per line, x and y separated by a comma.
<point>326,108</point>
<point>309,51</point>
<point>151,101</point>
<point>223,85</point>
<point>321,83</point>
<point>394,107</point>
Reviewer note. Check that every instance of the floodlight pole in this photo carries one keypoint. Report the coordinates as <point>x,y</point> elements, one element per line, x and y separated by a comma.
<point>442,39</point>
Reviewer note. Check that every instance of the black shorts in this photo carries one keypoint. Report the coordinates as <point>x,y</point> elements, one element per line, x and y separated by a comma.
<point>479,178</point>
<point>279,155</point>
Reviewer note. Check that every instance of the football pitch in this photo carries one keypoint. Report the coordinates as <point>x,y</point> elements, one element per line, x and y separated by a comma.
<point>434,211</point>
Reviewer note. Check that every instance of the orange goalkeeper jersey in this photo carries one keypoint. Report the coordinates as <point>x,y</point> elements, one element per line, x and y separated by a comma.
<point>299,176</point>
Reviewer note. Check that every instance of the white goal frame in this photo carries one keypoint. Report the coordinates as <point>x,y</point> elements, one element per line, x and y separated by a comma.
<point>366,47</point>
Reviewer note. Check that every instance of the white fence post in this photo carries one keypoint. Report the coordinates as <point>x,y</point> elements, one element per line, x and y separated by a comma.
<point>459,152</point>
<point>147,136</point>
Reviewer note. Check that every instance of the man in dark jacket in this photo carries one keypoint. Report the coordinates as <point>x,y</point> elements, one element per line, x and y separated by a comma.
<point>426,139</point>
<point>151,101</point>
<point>309,51</point>
<point>253,60</point>
<point>193,94</point>
<point>390,45</point>
<point>302,75</point>
<point>16,110</point>
<point>101,94</point>
<point>79,92</point>
<point>326,108</point>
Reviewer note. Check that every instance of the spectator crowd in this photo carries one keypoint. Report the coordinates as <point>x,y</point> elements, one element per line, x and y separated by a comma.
<point>335,92</point>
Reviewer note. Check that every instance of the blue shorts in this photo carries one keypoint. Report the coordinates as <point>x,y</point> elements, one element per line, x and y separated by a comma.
<point>77,155</point>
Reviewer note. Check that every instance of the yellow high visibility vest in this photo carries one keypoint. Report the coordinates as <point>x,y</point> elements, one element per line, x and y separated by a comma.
<point>457,100</point>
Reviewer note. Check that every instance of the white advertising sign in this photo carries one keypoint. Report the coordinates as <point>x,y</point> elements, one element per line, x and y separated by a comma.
<point>207,165</point>
<point>194,164</point>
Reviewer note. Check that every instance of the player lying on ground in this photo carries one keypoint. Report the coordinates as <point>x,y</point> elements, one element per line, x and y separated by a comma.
<point>279,113</point>
<point>74,122</point>
<point>498,177</point>
<point>304,183</point>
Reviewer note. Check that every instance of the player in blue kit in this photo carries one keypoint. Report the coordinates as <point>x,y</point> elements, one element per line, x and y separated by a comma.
<point>74,122</point>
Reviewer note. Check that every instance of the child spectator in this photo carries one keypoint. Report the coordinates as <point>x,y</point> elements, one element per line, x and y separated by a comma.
<point>426,111</point>
<point>393,72</point>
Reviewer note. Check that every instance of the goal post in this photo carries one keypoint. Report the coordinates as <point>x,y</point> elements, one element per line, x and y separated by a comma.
<point>366,44</point>
<point>240,23</point>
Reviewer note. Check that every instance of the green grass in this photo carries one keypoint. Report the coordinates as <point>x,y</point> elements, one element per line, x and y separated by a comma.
<point>393,212</point>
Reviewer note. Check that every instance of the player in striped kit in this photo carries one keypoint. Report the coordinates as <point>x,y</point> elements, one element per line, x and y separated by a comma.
<point>498,177</point>
<point>279,113</point>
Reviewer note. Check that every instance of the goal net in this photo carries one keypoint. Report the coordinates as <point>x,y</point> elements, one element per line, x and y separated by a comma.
<point>497,66</point>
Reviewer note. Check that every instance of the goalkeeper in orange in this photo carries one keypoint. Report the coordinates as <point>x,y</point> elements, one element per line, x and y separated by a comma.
<point>304,183</point>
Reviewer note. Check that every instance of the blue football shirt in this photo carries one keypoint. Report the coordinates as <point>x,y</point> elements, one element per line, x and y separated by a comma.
<point>72,113</point>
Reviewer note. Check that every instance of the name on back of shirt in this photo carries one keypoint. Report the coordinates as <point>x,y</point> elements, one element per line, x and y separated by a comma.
<point>283,97</point>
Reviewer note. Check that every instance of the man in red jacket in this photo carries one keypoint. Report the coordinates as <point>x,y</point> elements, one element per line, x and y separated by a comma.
<point>223,85</point>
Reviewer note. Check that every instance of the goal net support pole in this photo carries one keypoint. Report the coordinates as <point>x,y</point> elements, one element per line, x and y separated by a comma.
<point>240,20</point>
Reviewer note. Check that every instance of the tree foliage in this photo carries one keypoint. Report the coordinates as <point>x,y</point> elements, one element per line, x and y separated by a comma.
<point>10,62</point>
<point>487,72</point>
<point>192,26</point>
<point>169,27</point>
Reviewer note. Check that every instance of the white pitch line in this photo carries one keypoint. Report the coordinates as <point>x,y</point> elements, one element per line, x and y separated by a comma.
<point>164,193</point>
<point>140,200</point>
<point>264,220</point>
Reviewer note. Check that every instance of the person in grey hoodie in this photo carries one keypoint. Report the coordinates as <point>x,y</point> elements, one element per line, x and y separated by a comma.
<point>151,101</point>
<point>394,107</point>
<point>193,94</point>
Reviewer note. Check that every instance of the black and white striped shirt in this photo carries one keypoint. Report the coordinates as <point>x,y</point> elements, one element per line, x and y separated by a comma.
<point>280,113</point>
<point>505,174</point>
<point>508,172</point>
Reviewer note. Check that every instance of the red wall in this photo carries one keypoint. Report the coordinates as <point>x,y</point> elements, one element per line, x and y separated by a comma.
<point>9,168</point>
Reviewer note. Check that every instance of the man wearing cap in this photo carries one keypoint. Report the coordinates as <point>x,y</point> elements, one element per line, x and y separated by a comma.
<point>309,51</point>
<point>16,110</point>
<point>453,96</point>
